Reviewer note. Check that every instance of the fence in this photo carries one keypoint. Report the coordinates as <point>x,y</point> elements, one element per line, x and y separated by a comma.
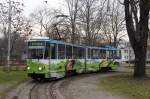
<point>15,65</point>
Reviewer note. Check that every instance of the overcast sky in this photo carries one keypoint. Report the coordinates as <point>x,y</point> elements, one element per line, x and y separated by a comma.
<point>30,5</point>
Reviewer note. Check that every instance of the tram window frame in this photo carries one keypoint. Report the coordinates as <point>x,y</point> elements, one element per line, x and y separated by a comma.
<point>68,51</point>
<point>53,51</point>
<point>117,54</point>
<point>114,54</point>
<point>47,53</point>
<point>110,55</point>
<point>89,53</point>
<point>81,52</point>
<point>75,52</point>
<point>95,54</point>
<point>103,53</point>
<point>61,53</point>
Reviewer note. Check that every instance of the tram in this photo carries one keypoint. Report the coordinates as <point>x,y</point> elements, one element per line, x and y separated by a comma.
<point>48,58</point>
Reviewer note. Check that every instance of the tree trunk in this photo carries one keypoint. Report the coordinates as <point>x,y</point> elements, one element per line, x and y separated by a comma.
<point>140,60</point>
<point>73,32</point>
<point>138,33</point>
<point>115,42</point>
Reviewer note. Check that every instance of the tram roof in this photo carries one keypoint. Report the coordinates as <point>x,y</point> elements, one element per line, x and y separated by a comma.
<point>61,42</point>
<point>54,41</point>
<point>92,47</point>
<point>109,47</point>
<point>106,47</point>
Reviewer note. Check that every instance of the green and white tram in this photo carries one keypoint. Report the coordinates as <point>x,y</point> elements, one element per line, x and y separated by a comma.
<point>49,58</point>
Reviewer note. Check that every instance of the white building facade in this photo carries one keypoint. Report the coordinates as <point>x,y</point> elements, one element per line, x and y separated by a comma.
<point>127,53</point>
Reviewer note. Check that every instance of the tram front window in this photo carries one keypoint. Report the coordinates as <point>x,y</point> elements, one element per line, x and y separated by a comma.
<point>35,53</point>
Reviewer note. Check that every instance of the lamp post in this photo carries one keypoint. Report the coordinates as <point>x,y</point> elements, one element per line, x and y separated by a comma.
<point>129,56</point>
<point>9,31</point>
<point>85,56</point>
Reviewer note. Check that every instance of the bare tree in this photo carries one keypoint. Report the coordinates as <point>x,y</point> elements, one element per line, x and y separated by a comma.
<point>73,7</point>
<point>91,18</point>
<point>137,17</point>
<point>17,26</point>
<point>114,23</point>
<point>46,19</point>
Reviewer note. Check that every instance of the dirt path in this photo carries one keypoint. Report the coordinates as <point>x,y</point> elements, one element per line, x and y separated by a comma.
<point>87,88</point>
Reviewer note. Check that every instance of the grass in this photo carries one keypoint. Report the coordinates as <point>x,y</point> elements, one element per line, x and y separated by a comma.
<point>13,76</point>
<point>125,85</point>
<point>9,80</point>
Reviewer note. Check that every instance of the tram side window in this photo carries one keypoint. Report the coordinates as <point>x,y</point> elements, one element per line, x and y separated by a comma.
<point>114,54</point>
<point>103,54</point>
<point>47,52</point>
<point>117,54</point>
<point>89,53</point>
<point>78,52</point>
<point>81,53</point>
<point>75,53</point>
<point>92,57</point>
<point>61,51</point>
<point>53,51</point>
<point>68,51</point>
<point>95,54</point>
<point>110,55</point>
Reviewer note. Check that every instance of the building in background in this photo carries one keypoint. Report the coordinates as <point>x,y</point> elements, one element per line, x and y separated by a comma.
<point>127,53</point>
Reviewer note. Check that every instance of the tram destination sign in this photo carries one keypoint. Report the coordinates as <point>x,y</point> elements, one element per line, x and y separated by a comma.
<point>36,43</point>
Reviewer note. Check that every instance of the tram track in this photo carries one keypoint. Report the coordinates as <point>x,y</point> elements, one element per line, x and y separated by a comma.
<point>52,91</point>
<point>42,91</point>
<point>45,90</point>
<point>36,90</point>
<point>32,93</point>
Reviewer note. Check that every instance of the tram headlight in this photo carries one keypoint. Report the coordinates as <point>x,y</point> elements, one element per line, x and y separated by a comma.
<point>28,68</point>
<point>40,68</point>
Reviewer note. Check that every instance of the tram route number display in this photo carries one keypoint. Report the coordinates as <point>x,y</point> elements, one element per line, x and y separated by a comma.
<point>36,44</point>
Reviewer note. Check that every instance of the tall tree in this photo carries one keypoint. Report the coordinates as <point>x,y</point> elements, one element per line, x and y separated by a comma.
<point>73,7</point>
<point>61,28</point>
<point>19,27</point>
<point>114,23</point>
<point>137,17</point>
<point>91,18</point>
<point>45,19</point>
